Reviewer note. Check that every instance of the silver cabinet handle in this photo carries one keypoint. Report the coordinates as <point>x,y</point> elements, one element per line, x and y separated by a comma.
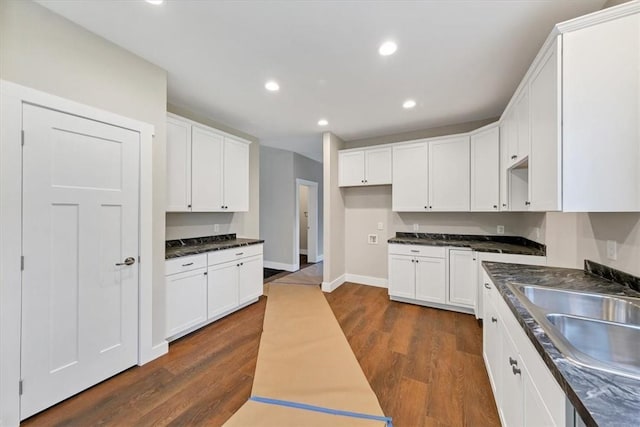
<point>415,251</point>
<point>486,285</point>
<point>494,320</point>
<point>187,264</point>
<point>241,253</point>
<point>128,261</point>
<point>516,371</point>
<point>512,361</point>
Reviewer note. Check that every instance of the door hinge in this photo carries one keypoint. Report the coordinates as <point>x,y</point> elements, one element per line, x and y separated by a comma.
<point>20,387</point>
<point>22,263</point>
<point>22,137</point>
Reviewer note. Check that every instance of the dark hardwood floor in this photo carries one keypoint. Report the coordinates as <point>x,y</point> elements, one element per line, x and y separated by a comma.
<point>424,364</point>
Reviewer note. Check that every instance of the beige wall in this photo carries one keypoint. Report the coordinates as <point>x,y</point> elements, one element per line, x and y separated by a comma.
<point>244,224</point>
<point>334,212</point>
<point>44,51</point>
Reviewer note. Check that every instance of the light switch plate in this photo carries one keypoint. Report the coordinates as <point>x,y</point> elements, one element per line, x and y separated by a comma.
<point>500,229</point>
<point>372,239</point>
<point>216,228</point>
<point>416,227</point>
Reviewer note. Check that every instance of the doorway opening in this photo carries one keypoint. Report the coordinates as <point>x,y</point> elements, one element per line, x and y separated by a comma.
<point>306,227</point>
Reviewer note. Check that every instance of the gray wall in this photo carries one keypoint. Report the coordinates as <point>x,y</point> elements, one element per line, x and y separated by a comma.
<point>44,51</point>
<point>278,172</point>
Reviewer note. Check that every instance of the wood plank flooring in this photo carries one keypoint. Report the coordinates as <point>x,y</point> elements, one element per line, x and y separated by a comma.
<point>425,366</point>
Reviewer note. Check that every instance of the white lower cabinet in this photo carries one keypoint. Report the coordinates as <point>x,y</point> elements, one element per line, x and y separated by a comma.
<point>187,293</point>
<point>433,276</point>
<point>526,393</point>
<point>220,283</point>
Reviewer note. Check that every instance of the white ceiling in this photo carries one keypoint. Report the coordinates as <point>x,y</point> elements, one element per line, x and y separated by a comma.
<point>460,60</point>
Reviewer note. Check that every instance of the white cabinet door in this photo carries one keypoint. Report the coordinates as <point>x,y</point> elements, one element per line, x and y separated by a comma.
<point>222,287</point>
<point>462,278</point>
<point>378,166</point>
<point>507,138</point>
<point>522,119</point>
<point>601,117</point>
<point>511,395</point>
<point>186,300</point>
<point>236,175</point>
<point>351,168</point>
<point>178,165</point>
<point>449,174</point>
<point>410,186</point>
<point>545,158</point>
<point>431,279</point>
<point>250,282</point>
<point>485,170</point>
<point>206,170</point>
<point>402,276</point>
<point>535,412</point>
<point>492,345</point>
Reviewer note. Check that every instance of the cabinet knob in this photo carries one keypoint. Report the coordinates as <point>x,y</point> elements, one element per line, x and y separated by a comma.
<point>188,206</point>
<point>486,285</point>
<point>527,203</point>
<point>494,320</point>
<point>426,207</point>
<point>514,157</point>
<point>512,361</point>
<point>504,205</point>
<point>430,207</point>
<point>205,273</point>
<point>362,181</point>
<point>495,206</point>
<point>516,371</point>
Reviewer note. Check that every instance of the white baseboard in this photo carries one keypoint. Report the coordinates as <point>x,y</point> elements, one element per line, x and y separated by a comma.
<point>280,266</point>
<point>332,286</point>
<point>304,252</point>
<point>366,280</point>
<point>156,351</point>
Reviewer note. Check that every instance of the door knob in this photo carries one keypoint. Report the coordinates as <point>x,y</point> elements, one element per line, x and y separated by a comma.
<point>128,261</point>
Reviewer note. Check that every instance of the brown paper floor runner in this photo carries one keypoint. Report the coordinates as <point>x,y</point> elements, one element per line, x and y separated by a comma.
<point>304,357</point>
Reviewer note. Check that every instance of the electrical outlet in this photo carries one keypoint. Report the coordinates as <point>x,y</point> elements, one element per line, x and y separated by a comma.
<point>416,227</point>
<point>372,239</point>
<point>380,226</point>
<point>612,250</point>
<point>216,228</point>
<point>500,229</point>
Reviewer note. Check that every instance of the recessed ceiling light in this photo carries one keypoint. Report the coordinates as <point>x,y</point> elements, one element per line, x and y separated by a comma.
<point>387,48</point>
<point>272,86</point>
<point>323,122</point>
<point>409,103</point>
<point>155,2</point>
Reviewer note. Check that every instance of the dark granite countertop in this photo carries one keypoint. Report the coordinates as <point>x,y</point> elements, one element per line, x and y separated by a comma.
<point>199,245</point>
<point>497,244</point>
<point>600,398</point>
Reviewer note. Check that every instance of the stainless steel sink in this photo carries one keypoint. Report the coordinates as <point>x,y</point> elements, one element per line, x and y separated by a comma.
<point>605,345</point>
<point>595,330</point>
<point>596,306</point>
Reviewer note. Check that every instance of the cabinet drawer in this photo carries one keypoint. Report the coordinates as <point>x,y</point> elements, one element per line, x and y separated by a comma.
<point>227,255</point>
<point>418,250</point>
<point>184,263</point>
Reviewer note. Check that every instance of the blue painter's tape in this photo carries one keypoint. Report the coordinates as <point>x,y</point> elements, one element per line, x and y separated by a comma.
<point>314,408</point>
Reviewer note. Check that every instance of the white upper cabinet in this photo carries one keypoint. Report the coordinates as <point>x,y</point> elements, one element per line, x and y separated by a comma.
<point>485,169</point>
<point>206,173</point>
<point>207,170</point>
<point>545,162</point>
<point>601,115</point>
<point>449,174</point>
<point>179,165</point>
<point>410,190</point>
<point>358,167</point>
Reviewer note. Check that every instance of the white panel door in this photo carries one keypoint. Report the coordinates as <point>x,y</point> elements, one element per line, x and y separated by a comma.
<point>402,276</point>
<point>378,166</point>
<point>485,170</point>
<point>511,395</point>
<point>410,183</point>
<point>521,110</point>
<point>449,174</point>
<point>186,300</point>
<point>80,220</point>
<point>545,161</point>
<point>462,278</point>
<point>431,279</point>
<point>350,168</point>
<point>222,288</point>
<point>250,282</point>
<point>236,175</point>
<point>178,165</point>
<point>535,411</point>
<point>206,170</point>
